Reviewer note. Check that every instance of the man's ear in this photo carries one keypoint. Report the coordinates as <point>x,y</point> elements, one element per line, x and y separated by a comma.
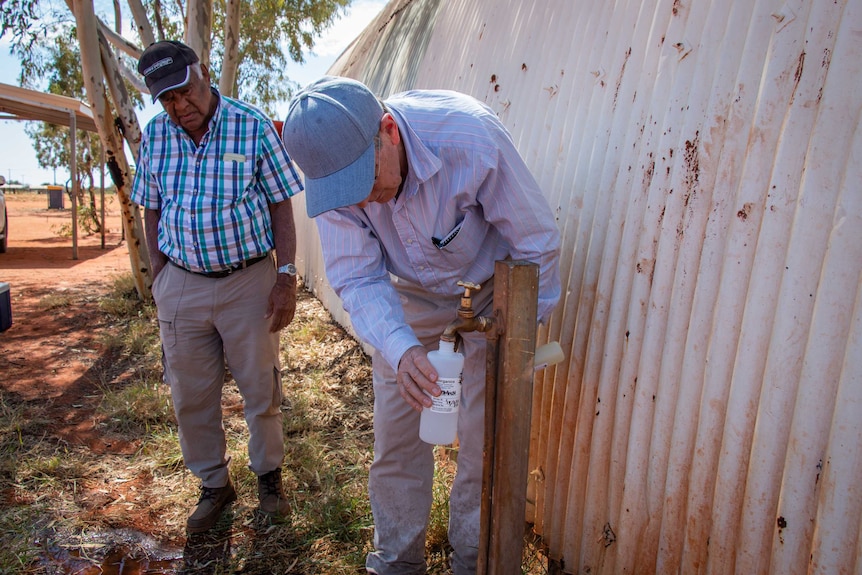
<point>390,128</point>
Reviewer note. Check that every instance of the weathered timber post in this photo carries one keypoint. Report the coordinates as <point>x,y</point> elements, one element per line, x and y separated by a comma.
<point>508,407</point>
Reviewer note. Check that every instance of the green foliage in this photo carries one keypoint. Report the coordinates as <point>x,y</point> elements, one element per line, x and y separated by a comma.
<point>437,537</point>
<point>30,24</point>
<point>167,19</point>
<point>271,31</point>
<point>61,66</point>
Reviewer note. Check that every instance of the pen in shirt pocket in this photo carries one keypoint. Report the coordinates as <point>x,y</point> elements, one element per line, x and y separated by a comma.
<point>441,243</point>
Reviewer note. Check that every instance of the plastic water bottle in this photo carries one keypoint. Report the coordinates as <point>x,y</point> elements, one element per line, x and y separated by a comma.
<point>438,424</point>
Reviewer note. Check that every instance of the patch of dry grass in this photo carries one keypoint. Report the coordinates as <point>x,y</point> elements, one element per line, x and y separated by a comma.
<point>62,495</point>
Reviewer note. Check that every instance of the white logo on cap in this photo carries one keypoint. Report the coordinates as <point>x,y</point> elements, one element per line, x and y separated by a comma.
<point>160,64</point>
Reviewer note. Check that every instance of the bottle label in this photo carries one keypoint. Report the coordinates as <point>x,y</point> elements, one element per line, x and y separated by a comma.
<point>450,396</point>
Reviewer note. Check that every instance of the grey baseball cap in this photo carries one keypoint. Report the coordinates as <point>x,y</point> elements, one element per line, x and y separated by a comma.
<point>329,132</point>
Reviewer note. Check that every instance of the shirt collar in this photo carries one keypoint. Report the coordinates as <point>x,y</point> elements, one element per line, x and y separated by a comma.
<point>422,163</point>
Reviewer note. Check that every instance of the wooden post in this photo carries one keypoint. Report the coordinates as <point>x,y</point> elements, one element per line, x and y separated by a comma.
<point>508,408</point>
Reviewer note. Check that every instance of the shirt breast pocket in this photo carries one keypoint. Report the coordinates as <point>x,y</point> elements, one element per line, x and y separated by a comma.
<point>238,175</point>
<point>464,239</point>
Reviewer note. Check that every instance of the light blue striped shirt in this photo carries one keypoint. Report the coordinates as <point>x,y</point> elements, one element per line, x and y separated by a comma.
<point>466,183</point>
<point>214,197</point>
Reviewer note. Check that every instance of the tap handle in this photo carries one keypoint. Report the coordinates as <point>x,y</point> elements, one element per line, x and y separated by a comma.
<point>469,286</point>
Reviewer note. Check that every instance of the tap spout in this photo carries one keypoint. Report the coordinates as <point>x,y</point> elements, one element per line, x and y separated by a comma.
<point>466,319</point>
<point>460,324</point>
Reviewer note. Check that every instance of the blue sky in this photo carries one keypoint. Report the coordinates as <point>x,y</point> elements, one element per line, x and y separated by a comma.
<point>18,160</point>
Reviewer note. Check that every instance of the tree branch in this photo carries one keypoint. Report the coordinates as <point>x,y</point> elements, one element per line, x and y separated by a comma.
<point>134,79</point>
<point>119,42</point>
<point>139,15</point>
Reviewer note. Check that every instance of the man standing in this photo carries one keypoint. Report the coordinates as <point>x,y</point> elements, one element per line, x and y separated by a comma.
<point>410,196</point>
<point>215,184</point>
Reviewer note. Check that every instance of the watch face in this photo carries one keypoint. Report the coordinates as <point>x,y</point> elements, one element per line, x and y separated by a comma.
<point>288,269</point>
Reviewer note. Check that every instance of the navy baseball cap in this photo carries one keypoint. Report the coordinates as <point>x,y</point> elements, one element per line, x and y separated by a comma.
<point>166,65</point>
<point>329,132</point>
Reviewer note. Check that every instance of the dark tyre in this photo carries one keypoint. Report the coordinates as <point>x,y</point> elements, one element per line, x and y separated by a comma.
<point>5,235</point>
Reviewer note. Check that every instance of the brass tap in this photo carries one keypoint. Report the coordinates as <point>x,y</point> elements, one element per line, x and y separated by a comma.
<point>466,319</point>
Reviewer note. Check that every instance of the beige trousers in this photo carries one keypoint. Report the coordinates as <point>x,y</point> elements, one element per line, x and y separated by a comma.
<point>204,324</point>
<point>402,472</point>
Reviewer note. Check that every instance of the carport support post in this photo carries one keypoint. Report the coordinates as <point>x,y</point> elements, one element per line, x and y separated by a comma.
<point>73,168</point>
<point>102,194</point>
<point>508,408</point>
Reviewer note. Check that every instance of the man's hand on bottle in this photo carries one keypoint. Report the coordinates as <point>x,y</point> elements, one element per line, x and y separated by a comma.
<point>415,374</point>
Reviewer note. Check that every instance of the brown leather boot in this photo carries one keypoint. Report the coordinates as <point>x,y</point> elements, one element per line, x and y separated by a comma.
<point>212,502</point>
<point>271,494</point>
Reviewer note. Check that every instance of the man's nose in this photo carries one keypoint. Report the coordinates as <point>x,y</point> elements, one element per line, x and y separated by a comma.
<point>180,102</point>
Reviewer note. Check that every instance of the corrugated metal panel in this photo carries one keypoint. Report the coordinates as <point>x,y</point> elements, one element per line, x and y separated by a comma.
<point>704,160</point>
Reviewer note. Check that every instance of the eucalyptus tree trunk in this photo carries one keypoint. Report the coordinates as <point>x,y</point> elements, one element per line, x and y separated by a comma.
<point>227,80</point>
<point>91,64</point>
<point>199,23</point>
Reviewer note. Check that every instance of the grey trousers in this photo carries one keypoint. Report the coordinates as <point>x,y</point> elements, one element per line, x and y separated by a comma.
<point>402,472</point>
<point>205,323</point>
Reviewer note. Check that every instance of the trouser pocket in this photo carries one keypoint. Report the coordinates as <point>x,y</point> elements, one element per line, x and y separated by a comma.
<point>167,291</point>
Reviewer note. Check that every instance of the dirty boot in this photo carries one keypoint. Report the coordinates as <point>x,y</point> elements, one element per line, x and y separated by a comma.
<point>212,502</point>
<point>271,494</point>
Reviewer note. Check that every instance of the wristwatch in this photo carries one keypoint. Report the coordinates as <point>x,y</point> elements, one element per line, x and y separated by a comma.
<point>288,269</point>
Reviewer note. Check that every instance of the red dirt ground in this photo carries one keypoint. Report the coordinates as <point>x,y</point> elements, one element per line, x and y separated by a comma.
<point>54,353</point>
<point>53,347</point>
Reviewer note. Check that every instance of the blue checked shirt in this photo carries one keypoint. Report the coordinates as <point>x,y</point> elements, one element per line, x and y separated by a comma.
<point>468,200</point>
<point>214,197</point>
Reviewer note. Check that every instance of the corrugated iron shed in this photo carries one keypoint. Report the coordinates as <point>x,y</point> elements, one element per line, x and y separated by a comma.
<point>704,161</point>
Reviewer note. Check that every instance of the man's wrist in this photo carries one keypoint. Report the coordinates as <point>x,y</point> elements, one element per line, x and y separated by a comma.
<point>287,269</point>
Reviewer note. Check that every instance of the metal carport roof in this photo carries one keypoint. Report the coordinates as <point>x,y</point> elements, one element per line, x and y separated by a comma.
<point>25,104</point>
<point>32,105</point>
